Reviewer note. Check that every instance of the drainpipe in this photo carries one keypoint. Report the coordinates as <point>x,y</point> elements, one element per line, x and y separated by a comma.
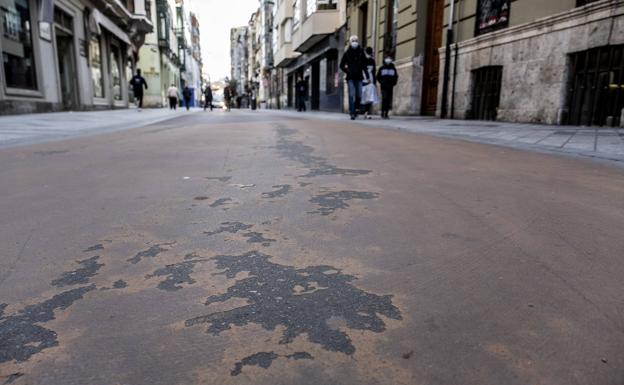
<point>447,62</point>
<point>459,12</point>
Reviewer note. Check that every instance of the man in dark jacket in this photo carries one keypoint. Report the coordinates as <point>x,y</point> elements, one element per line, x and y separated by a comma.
<point>208,97</point>
<point>301,91</point>
<point>138,82</point>
<point>353,64</point>
<point>186,94</point>
<point>387,77</point>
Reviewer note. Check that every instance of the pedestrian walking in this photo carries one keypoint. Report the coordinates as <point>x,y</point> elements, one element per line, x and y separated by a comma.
<point>172,94</point>
<point>138,82</point>
<point>208,97</point>
<point>387,77</point>
<point>353,64</point>
<point>186,94</point>
<point>301,91</point>
<point>369,87</point>
<point>227,96</point>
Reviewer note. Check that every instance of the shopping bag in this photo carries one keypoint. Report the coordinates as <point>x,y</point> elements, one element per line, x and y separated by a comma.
<point>369,94</point>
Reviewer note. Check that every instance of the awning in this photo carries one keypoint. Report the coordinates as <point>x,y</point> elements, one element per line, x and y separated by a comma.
<point>97,19</point>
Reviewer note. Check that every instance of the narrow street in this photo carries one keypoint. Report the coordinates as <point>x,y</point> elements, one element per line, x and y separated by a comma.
<point>242,248</point>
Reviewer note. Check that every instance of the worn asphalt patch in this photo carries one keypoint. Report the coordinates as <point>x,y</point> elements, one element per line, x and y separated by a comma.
<point>302,301</point>
<point>22,335</point>
<point>152,252</point>
<point>301,153</point>
<point>88,269</point>
<point>176,274</point>
<point>330,202</point>
<point>220,202</point>
<point>97,247</point>
<point>265,359</point>
<point>282,190</point>
<point>229,227</point>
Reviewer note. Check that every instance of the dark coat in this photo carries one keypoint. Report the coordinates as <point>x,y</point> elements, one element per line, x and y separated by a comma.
<point>387,76</point>
<point>138,82</point>
<point>208,94</point>
<point>186,93</point>
<point>353,63</point>
<point>370,62</point>
<point>301,87</point>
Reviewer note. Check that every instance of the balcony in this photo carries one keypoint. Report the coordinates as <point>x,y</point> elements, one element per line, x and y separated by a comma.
<point>285,55</point>
<point>314,28</point>
<point>285,11</point>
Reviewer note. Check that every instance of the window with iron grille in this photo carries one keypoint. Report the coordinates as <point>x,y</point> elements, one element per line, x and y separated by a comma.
<point>486,92</point>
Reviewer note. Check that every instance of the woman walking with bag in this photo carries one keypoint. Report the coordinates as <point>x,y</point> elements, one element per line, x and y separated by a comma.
<point>369,90</point>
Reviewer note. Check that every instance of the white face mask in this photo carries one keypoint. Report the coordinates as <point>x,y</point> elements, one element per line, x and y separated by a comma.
<point>388,61</point>
<point>355,44</point>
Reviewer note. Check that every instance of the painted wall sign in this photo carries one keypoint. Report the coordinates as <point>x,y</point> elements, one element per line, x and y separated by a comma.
<point>492,15</point>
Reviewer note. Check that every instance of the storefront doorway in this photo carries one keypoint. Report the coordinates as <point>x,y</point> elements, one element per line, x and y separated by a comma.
<point>63,28</point>
<point>431,75</point>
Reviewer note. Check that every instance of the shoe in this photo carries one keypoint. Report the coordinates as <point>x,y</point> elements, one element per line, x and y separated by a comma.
<point>352,117</point>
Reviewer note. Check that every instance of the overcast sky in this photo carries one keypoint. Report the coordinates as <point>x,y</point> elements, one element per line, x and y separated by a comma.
<point>216,17</point>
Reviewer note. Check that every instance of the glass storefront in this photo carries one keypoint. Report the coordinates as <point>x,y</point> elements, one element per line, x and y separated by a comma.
<point>95,59</point>
<point>115,71</point>
<point>17,45</point>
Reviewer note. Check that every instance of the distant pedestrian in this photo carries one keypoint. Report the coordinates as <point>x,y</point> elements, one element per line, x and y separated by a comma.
<point>353,64</point>
<point>186,94</point>
<point>208,97</point>
<point>301,91</point>
<point>138,82</point>
<point>369,89</point>
<point>387,77</point>
<point>227,96</point>
<point>172,94</point>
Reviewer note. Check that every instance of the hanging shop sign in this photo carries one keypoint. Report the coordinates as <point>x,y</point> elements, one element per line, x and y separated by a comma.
<point>492,15</point>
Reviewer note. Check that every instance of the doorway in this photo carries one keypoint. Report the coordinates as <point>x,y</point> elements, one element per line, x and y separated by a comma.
<point>316,84</point>
<point>363,23</point>
<point>486,92</point>
<point>431,73</point>
<point>63,28</point>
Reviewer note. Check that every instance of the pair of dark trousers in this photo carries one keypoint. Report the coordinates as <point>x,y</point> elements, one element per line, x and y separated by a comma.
<point>207,104</point>
<point>173,103</point>
<point>355,96</point>
<point>138,96</point>
<point>301,103</point>
<point>187,103</point>
<point>386,100</point>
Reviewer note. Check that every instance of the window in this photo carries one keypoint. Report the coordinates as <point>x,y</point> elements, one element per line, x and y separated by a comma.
<point>390,39</point>
<point>115,71</point>
<point>95,59</point>
<point>296,13</point>
<point>486,92</point>
<point>492,15</point>
<point>331,85</point>
<point>580,3</point>
<point>17,45</point>
<point>310,7</point>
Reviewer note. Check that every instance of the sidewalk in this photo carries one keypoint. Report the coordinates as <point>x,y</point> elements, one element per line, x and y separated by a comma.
<point>36,128</point>
<point>603,144</point>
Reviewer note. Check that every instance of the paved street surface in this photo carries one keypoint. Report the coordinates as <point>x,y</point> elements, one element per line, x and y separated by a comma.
<point>276,248</point>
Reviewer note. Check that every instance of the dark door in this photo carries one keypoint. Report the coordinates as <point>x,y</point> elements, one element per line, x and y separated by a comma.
<point>67,69</point>
<point>363,22</point>
<point>291,87</point>
<point>486,92</point>
<point>431,74</point>
<point>596,87</point>
<point>315,86</point>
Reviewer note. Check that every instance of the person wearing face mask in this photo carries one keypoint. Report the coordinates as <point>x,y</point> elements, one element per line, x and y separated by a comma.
<point>369,90</point>
<point>353,64</point>
<point>387,77</point>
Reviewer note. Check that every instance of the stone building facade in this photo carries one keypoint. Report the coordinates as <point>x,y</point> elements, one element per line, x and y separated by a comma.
<point>69,54</point>
<point>239,57</point>
<point>555,62</point>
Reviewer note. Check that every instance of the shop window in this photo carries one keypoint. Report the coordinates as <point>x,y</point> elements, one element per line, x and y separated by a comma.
<point>115,71</point>
<point>17,45</point>
<point>492,15</point>
<point>332,71</point>
<point>486,92</point>
<point>95,60</point>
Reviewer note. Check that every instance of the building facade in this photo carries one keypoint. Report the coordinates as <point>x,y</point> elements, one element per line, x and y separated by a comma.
<point>239,58</point>
<point>69,54</point>
<point>555,62</point>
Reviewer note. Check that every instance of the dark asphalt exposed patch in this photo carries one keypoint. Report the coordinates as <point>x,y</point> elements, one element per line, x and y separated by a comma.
<point>176,274</point>
<point>152,252</point>
<point>265,359</point>
<point>12,377</point>
<point>282,190</point>
<point>200,198</point>
<point>219,178</point>
<point>221,202</point>
<point>255,237</point>
<point>81,275</point>
<point>97,247</point>
<point>230,227</point>
<point>21,334</point>
<point>330,202</point>
<point>298,152</point>
<point>120,284</point>
<point>303,301</point>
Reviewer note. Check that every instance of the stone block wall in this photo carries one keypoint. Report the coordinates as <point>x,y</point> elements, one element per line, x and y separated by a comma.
<point>408,91</point>
<point>535,60</point>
